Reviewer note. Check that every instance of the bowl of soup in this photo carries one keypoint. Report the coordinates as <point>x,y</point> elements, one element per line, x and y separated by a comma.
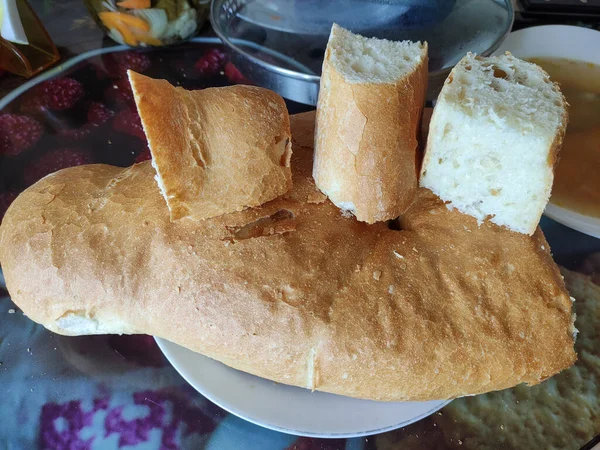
<point>571,56</point>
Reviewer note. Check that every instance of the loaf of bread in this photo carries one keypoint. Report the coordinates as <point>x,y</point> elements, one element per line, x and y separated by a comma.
<point>215,150</point>
<point>293,290</point>
<point>494,137</point>
<point>368,115</point>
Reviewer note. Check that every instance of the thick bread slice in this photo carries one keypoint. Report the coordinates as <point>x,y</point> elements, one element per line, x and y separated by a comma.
<point>493,140</point>
<point>292,290</point>
<point>370,104</point>
<point>215,150</point>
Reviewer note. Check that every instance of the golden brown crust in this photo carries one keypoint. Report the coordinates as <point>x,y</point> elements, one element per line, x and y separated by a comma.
<point>557,143</point>
<point>367,141</point>
<point>216,150</point>
<point>441,309</point>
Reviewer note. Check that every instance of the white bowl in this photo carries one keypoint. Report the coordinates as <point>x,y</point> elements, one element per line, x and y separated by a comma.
<point>559,41</point>
<point>554,41</point>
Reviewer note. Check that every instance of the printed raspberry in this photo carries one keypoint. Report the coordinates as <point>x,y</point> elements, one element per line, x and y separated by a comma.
<point>128,121</point>
<point>18,133</point>
<point>211,62</point>
<point>56,95</point>
<point>234,75</point>
<point>118,63</point>
<point>75,134</point>
<point>144,155</point>
<point>119,92</point>
<point>98,114</point>
<point>53,161</point>
<point>6,198</point>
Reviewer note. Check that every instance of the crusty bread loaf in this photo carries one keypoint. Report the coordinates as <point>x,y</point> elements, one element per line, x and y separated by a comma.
<point>562,413</point>
<point>370,104</point>
<point>293,290</point>
<point>215,150</point>
<point>494,136</point>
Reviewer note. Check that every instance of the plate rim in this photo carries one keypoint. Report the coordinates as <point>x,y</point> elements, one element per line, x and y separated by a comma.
<point>185,374</point>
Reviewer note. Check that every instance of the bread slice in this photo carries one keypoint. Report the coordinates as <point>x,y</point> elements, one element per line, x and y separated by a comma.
<point>370,104</point>
<point>215,150</point>
<point>493,140</point>
<point>292,290</point>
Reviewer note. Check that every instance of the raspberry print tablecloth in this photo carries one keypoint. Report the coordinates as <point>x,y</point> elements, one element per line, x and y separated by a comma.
<point>119,392</point>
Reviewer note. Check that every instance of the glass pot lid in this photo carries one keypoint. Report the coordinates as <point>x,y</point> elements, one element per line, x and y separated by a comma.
<point>288,37</point>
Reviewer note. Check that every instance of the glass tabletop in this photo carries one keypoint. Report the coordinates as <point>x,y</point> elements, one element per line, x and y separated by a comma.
<point>105,392</point>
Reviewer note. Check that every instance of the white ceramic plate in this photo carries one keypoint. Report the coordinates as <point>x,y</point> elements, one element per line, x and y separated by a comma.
<point>559,41</point>
<point>290,409</point>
